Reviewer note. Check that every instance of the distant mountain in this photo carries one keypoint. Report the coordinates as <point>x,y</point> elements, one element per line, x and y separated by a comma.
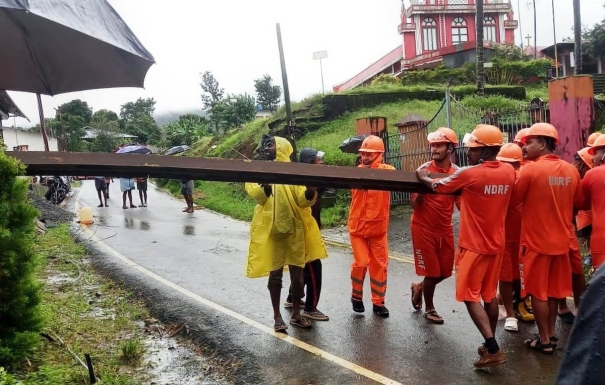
<point>163,118</point>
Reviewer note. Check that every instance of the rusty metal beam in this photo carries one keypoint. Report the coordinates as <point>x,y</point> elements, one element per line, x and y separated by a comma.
<point>214,169</point>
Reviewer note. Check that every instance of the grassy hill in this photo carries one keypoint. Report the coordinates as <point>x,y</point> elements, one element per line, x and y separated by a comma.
<point>230,198</point>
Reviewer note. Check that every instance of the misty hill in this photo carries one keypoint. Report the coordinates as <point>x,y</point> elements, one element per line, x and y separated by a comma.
<point>163,118</point>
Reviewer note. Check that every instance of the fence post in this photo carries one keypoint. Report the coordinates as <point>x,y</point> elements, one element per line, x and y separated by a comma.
<point>448,106</point>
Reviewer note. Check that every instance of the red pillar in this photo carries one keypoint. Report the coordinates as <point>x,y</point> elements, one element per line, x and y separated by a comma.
<point>571,112</point>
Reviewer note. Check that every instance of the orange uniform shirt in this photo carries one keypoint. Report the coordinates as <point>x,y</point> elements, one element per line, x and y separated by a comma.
<point>512,225</point>
<point>548,190</point>
<point>370,209</point>
<point>593,186</point>
<point>434,214</point>
<point>583,219</point>
<point>485,194</point>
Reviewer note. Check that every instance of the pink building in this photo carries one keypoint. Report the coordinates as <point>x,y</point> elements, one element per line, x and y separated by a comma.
<point>433,28</point>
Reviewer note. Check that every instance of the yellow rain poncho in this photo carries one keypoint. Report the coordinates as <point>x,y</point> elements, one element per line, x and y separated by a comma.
<point>282,231</point>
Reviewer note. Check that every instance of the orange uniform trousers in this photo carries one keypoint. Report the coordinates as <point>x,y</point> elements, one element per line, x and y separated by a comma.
<point>370,253</point>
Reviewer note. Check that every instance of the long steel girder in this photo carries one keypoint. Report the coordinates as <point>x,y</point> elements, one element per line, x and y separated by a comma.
<point>215,169</point>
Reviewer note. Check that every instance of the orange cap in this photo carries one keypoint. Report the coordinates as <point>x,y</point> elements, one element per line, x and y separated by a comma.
<point>372,144</point>
<point>443,135</point>
<point>542,129</point>
<point>586,157</point>
<point>484,135</point>
<point>510,152</point>
<point>592,138</point>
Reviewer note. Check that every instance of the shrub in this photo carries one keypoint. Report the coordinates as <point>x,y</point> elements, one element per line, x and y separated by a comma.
<point>20,294</point>
<point>386,79</point>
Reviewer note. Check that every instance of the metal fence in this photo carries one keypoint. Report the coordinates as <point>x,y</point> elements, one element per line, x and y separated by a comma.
<point>408,150</point>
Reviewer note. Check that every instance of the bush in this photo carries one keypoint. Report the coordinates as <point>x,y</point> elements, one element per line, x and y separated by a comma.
<point>386,79</point>
<point>20,294</point>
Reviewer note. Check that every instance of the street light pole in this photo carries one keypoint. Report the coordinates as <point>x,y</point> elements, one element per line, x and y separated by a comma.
<point>319,55</point>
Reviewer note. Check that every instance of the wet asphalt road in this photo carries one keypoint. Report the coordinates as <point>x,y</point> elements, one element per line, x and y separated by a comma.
<point>204,253</point>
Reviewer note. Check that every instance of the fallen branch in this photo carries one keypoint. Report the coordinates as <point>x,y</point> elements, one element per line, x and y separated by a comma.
<point>57,340</point>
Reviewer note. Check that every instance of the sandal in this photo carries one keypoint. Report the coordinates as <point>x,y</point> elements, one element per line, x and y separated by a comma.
<point>536,345</point>
<point>301,322</point>
<point>553,341</point>
<point>417,305</point>
<point>433,317</point>
<point>280,326</point>
<point>315,315</point>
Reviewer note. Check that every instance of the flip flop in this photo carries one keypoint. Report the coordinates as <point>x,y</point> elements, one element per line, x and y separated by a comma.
<point>280,326</point>
<point>416,306</point>
<point>315,315</point>
<point>301,322</point>
<point>433,317</point>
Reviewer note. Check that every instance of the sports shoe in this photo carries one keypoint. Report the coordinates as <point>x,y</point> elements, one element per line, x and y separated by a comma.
<point>523,310</point>
<point>511,324</point>
<point>487,360</point>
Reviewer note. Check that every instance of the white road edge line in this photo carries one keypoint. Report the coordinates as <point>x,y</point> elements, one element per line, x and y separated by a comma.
<point>294,341</point>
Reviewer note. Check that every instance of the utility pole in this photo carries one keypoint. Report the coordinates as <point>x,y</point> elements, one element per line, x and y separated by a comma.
<point>290,124</point>
<point>318,56</point>
<point>554,36</point>
<point>520,28</point>
<point>535,33</point>
<point>480,49</point>
<point>577,32</point>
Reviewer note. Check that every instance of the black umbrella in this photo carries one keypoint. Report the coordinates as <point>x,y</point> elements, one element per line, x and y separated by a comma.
<point>56,46</point>
<point>177,149</point>
<point>135,149</point>
<point>351,145</point>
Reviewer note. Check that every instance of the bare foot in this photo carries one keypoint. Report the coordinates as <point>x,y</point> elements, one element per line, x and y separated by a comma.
<point>101,205</point>
<point>133,206</point>
<point>125,207</point>
<point>189,211</point>
<point>106,205</point>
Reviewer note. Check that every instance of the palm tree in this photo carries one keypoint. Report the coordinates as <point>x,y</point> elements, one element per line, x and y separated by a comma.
<point>479,49</point>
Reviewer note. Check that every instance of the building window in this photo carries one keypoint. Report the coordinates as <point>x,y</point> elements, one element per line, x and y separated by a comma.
<point>459,31</point>
<point>489,29</point>
<point>429,34</point>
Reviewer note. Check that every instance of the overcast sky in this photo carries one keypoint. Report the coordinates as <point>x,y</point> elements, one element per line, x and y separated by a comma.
<point>236,40</point>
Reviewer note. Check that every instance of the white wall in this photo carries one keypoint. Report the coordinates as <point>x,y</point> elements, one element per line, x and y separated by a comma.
<point>14,137</point>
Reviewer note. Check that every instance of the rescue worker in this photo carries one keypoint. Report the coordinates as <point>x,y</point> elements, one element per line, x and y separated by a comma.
<point>485,189</point>
<point>282,233</point>
<point>509,273</point>
<point>522,305</point>
<point>431,227</point>
<point>582,162</point>
<point>548,190</point>
<point>368,225</point>
<point>312,273</point>
<point>593,187</point>
<point>584,217</point>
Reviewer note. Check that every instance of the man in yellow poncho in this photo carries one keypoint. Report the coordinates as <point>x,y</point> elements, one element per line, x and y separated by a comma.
<point>282,233</point>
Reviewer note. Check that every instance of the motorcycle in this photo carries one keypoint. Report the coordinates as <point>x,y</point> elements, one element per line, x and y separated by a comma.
<point>58,188</point>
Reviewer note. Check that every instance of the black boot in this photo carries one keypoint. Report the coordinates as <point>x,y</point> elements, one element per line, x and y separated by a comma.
<point>381,311</point>
<point>358,305</point>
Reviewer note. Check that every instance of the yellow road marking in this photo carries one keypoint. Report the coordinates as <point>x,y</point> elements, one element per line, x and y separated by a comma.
<point>240,317</point>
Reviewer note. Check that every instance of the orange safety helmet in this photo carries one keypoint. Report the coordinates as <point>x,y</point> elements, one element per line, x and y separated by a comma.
<point>443,135</point>
<point>510,152</point>
<point>542,129</point>
<point>586,157</point>
<point>520,135</point>
<point>598,143</point>
<point>372,144</point>
<point>592,138</point>
<point>484,135</point>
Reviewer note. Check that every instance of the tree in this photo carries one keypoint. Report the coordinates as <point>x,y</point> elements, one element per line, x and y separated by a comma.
<point>104,115</point>
<point>187,130</point>
<point>212,93</point>
<point>267,94</point>
<point>212,96</point>
<point>107,134</point>
<point>480,50</point>
<point>239,109</point>
<point>20,291</point>
<point>595,41</point>
<point>75,107</point>
<point>136,118</point>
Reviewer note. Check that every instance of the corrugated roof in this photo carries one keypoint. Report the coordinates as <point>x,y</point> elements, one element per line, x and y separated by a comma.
<point>9,107</point>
